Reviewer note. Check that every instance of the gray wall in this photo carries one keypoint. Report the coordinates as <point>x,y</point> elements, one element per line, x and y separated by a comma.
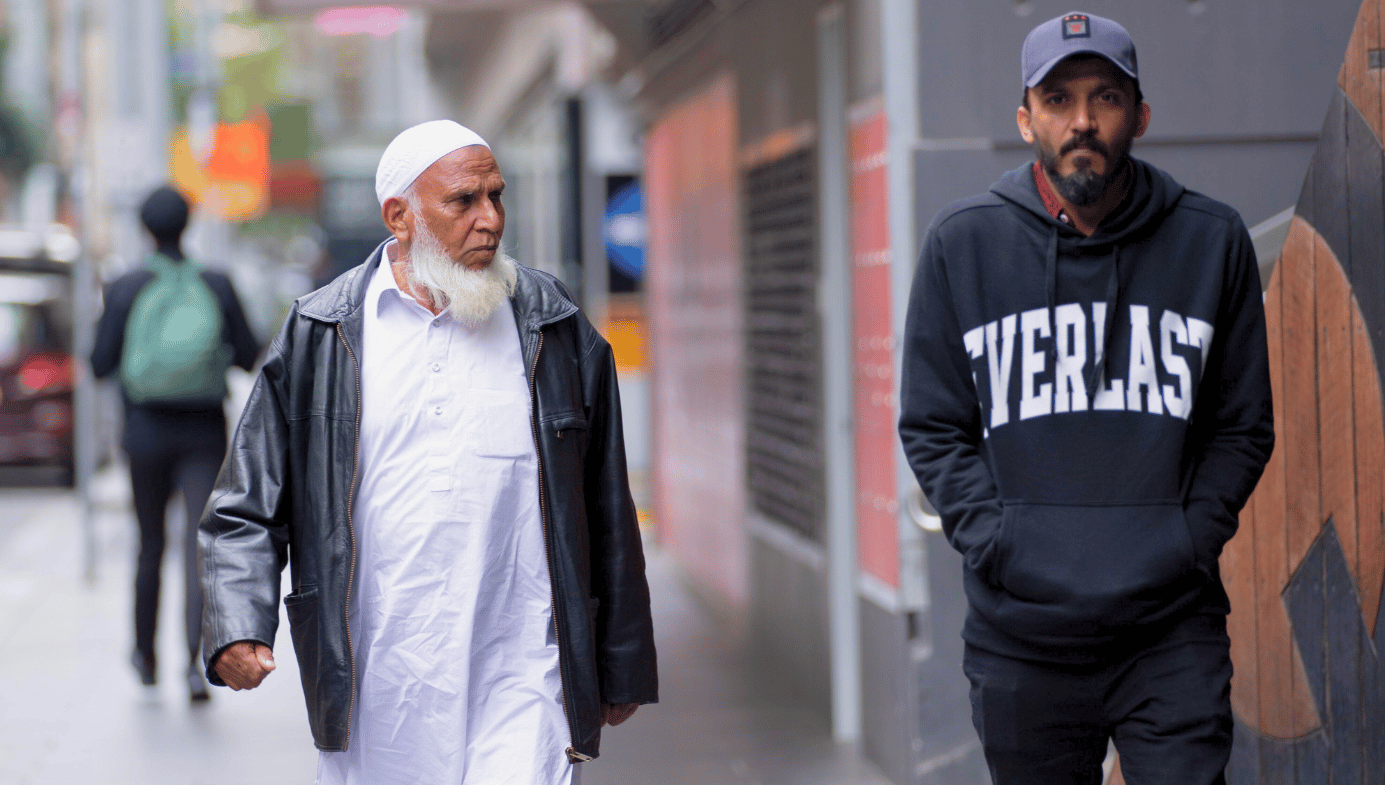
<point>1237,89</point>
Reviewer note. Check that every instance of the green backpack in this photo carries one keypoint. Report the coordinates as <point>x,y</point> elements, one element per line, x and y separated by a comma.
<point>174,350</point>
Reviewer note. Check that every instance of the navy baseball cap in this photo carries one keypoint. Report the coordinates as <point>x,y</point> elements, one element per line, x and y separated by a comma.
<point>1073,34</point>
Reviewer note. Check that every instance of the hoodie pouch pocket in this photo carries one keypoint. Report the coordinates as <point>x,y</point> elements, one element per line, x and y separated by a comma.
<point>1105,563</point>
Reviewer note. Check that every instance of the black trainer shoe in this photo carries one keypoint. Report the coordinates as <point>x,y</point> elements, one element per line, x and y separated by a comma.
<point>144,665</point>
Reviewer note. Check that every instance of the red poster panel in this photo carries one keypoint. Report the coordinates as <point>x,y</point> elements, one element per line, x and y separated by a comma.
<point>695,339</point>
<point>877,500</point>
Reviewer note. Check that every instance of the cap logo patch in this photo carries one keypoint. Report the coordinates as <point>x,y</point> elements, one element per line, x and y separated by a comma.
<point>1076,26</point>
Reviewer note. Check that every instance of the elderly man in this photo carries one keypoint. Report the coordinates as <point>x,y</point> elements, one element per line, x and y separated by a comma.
<point>1086,401</point>
<point>434,445</point>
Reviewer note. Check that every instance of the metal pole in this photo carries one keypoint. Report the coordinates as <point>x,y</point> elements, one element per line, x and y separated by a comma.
<point>202,122</point>
<point>85,396</point>
<point>85,400</point>
<point>26,66</point>
<point>153,64</point>
<point>900,57</point>
<point>596,281</point>
<point>835,305</point>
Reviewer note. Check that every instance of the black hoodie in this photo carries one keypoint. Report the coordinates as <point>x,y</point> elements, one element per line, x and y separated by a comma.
<point>1086,523</point>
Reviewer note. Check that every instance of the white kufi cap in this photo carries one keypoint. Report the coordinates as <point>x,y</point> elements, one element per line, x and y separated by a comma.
<point>417,148</point>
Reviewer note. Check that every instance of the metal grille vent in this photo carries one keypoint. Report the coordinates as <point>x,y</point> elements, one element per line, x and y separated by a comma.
<point>669,20</point>
<point>783,351</point>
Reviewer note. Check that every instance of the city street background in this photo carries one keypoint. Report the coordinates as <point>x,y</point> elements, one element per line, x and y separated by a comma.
<point>735,192</point>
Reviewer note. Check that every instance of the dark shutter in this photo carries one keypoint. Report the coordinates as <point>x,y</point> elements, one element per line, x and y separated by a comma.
<point>783,344</point>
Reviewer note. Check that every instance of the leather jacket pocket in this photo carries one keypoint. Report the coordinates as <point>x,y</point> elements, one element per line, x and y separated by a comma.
<point>304,627</point>
<point>301,608</point>
<point>566,424</point>
<point>571,430</point>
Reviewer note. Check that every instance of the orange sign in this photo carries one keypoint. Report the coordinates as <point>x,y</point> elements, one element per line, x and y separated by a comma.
<point>234,182</point>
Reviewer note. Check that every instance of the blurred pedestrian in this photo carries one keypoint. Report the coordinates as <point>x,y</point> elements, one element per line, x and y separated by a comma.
<point>1086,402</point>
<point>434,444</point>
<point>171,329</point>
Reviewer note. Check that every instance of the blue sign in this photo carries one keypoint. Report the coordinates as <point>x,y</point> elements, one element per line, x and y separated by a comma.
<point>624,229</point>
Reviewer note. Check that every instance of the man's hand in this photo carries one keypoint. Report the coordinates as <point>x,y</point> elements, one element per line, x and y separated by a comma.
<point>616,713</point>
<point>244,664</point>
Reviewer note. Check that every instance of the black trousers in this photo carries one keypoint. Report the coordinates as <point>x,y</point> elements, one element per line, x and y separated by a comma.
<point>170,451</point>
<point>1166,705</point>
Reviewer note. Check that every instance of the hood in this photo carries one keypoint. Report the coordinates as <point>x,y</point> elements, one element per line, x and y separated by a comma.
<point>1153,193</point>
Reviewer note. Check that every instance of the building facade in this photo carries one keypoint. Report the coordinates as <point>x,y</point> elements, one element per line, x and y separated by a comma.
<point>794,154</point>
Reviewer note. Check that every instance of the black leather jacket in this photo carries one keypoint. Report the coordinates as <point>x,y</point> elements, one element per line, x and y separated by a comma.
<point>286,490</point>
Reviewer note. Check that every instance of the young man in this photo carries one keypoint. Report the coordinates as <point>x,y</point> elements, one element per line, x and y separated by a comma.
<point>1086,401</point>
<point>175,429</point>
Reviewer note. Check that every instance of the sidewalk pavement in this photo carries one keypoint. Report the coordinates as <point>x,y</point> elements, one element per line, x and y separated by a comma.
<point>713,725</point>
<point>73,711</point>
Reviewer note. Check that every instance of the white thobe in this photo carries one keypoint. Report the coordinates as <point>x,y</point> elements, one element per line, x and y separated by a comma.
<point>451,622</point>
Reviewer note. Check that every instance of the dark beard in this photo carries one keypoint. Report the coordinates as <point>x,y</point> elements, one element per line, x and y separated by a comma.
<point>1084,186</point>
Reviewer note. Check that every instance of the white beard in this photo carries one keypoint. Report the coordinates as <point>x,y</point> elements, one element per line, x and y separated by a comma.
<point>470,296</point>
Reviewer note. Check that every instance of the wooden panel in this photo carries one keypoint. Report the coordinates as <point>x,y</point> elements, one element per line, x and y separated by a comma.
<point>1342,620</point>
<point>1303,602</point>
<point>1364,260</point>
<point>1277,763</point>
<point>1310,760</point>
<point>1347,420</point>
<point>1373,716</point>
<point>1336,423</point>
<point>1313,534</point>
<point>1270,557</point>
<point>1299,431</point>
<point>1358,80</point>
<point>1238,574</point>
<point>1291,493</point>
<point>1270,553</point>
<point>1366,272</point>
<point>1370,473</point>
<point>1322,204</point>
<point>1244,766</point>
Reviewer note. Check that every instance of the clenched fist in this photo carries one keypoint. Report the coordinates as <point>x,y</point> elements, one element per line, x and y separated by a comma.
<point>616,713</point>
<point>244,664</point>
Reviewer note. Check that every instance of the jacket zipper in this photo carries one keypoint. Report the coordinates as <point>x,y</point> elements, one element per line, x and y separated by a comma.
<point>351,532</point>
<point>572,753</point>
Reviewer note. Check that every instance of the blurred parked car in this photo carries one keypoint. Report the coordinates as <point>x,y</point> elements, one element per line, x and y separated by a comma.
<point>36,364</point>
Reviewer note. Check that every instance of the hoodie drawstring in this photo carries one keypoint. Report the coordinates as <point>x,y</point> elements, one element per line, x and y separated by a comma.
<point>1051,273</point>
<point>1095,376</point>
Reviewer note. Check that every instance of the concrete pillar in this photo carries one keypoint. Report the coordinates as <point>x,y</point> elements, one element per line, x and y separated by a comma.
<point>835,306</point>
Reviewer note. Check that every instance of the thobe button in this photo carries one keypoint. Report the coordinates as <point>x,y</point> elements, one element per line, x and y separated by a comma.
<point>437,410</point>
<point>436,367</point>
